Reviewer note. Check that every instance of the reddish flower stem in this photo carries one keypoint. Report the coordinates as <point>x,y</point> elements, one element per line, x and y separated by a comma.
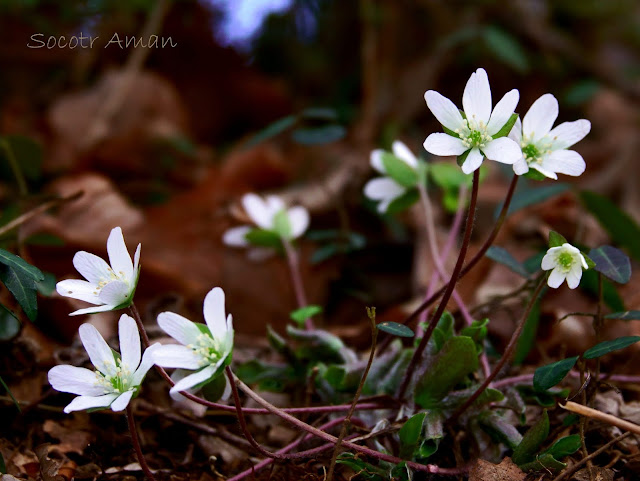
<point>296,279</point>
<point>136,444</point>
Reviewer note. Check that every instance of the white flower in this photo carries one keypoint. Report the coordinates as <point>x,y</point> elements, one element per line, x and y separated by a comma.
<point>475,131</point>
<point>567,263</point>
<point>270,215</point>
<point>545,149</point>
<point>107,287</point>
<point>386,189</point>
<point>117,378</point>
<point>205,349</point>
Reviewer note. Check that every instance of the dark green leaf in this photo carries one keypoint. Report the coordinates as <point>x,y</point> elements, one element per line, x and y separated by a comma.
<point>581,92</point>
<point>548,376</point>
<point>395,329</point>
<point>502,256</point>
<point>506,48</point>
<point>506,128</point>
<point>399,170</point>
<point>410,435</point>
<point>529,334</point>
<point>589,283</point>
<point>606,347</point>
<point>620,226</point>
<point>47,285</point>
<point>15,401</point>
<point>214,389</point>
<point>23,288</point>
<point>325,252</point>
<point>319,113</point>
<point>272,130</point>
<point>499,429</point>
<point>304,313</point>
<point>9,324</point>
<point>612,263</point>
<point>530,196</point>
<point>461,158</point>
<point>589,261</point>
<point>565,446</point>
<point>318,135</point>
<point>624,316</point>
<point>556,240</point>
<point>22,267</point>
<point>528,448</point>
<point>269,377</point>
<point>543,462</point>
<point>532,264</point>
<point>263,238</point>
<point>403,202</point>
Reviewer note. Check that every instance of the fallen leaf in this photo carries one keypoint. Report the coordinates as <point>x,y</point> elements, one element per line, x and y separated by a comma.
<point>505,471</point>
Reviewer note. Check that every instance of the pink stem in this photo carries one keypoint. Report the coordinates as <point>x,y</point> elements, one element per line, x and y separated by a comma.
<point>296,279</point>
<point>528,378</point>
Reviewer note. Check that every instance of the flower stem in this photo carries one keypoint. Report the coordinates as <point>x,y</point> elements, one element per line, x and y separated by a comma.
<point>417,355</point>
<point>136,316</point>
<point>296,279</point>
<point>508,352</point>
<point>136,444</point>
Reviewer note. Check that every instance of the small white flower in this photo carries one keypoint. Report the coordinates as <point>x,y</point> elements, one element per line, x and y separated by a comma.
<point>107,287</point>
<point>567,263</point>
<point>205,349</point>
<point>545,149</point>
<point>476,129</point>
<point>386,189</point>
<point>116,379</point>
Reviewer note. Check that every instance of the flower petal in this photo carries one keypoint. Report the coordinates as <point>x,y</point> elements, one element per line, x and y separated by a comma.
<point>549,260</point>
<point>115,293</point>
<point>573,278</point>
<point>476,99</point>
<point>472,162</point>
<point>516,132</point>
<point>401,151</point>
<point>98,350</point>
<point>92,310</point>
<point>568,162</point>
<point>556,278</point>
<point>383,188</point>
<point>444,110</point>
<point>176,356</point>
<point>129,342</point>
<point>180,328</point>
<point>78,289</point>
<point>299,221</point>
<point>502,150</point>
<point>236,236</point>
<point>568,133</point>
<point>503,111</point>
<point>520,166</point>
<point>195,378</point>
<point>119,257</point>
<point>274,204</point>
<point>444,144</point>
<point>540,118</point>
<point>376,160</point>
<point>148,360</point>
<point>122,401</point>
<point>257,209</point>
<point>214,314</point>
<point>75,380</point>
<point>544,171</point>
<point>136,262</point>
<point>93,268</point>
<point>89,402</point>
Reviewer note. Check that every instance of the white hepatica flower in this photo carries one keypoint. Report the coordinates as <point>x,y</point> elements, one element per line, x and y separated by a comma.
<point>567,263</point>
<point>476,130</point>
<point>108,287</point>
<point>386,189</point>
<point>544,148</point>
<point>116,379</point>
<point>205,349</point>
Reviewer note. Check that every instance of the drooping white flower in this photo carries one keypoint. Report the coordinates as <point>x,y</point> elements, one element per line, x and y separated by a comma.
<point>108,287</point>
<point>544,148</point>
<point>204,348</point>
<point>117,378</point>
<point>386,189</point>
<point>475,131</point>
<point>567,263</point>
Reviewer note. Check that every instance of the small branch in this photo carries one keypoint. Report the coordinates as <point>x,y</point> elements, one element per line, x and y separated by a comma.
<point>600,416</point>
<point>296,279</point>
<point>136,444</point>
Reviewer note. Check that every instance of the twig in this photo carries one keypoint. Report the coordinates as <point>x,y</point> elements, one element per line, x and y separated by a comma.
<point>600,416</point>
<point>136,444</point>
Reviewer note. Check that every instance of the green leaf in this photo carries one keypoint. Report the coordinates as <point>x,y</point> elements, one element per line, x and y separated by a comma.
<point>319,113</point>
<point>47,286</point>
<point>319,135</point>
<point>548,376</point>
<point>543,462</point>
<point>272,130</point>
<point>618,224</point>
<point>22,267</point>
<point>524,197</point>
<point>410,435</point>
<point>281,224</point>
<point>455,361</point>
<point>528,448</point>
<point>556,240</point>
<point>533,264</point>
<point>499,429</point>
<point>624,316</point>
<point>506,48</point>
<point>15,401</point>
<point>214,388</point>
<point>304,313</point>
<point>606,347</point>
<point>461,158</point>
<point>263,238</point>
<point>503,257</point>
<point>403,202</point>
<point>23,288</point>
<point>399,170</point>
<point>9,324</point>
<point>447,176</point>
<point>565,446</point>
<point>612,263</point>
<point>589,283</point>
<point>534,174</point>
<point>395,329</point>
<point>581,92</point>
<point>504,131</point>
<point>325,252</point>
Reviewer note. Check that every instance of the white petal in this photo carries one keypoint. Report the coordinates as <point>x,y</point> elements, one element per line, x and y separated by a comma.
<point>176,356</point>
<point>383,188</point>
<point>274,204</point>
<point>384,205</point>
<point>93,268</point>
<point>180,328</point>
<point>444,110</point>
<point>90,402</point>
<point>122,401</point>
<point>115,293</point>
<point>214,314</point>
<point>136,262</point>
<point>502,150</point>
<point>299,221</point>
<point>556,278</point>
<point>148,360</point>
<point>76,380</point>
<point>472,162</point>
<point>549,261</point>
<point>568,162</point>
<point>236,237</point>
<point>97,348</point>
<point>444,144</point>
<point>540,118</point>
<point>573,278</point>
<point>583,262</point>
<point>520,166</point>
<point>118,254</point>
<point>503,111</point>
<point>92,310</point>
<point>194,379</point>
<point>256,208</point>
<point>83,290</point>
<point>516,132</point>
<point>376,160</point>
<point>476,99</point>
<point>568,133</point>
<point>129,342</point>
<point>544,171</point>
<point>401,151</point>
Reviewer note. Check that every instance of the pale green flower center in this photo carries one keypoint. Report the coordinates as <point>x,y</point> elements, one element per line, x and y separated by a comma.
<point>534,153</point>
<point>119,381</point>
<point>112,277</point>
<point>474,134</point>
<point>565,260</point>
<point>208,349</point>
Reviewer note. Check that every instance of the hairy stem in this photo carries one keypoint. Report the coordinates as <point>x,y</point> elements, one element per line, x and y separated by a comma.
<point>296,279</point>
<point>136,444</point>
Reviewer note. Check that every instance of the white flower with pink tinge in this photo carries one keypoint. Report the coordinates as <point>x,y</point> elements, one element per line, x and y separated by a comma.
<point>567,263</point>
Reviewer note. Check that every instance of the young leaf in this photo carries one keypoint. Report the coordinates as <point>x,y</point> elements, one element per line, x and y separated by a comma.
<point>528,448</point>
<point>396,329</point>
<point>506,128</point>
<point>304,313</point>
<point>502,256</point>
<point>263,238</point>
<point>399,170</point>
<point>624,316</point>
<point>543,461</point>
<point>548,376</point>
<point>318,135</point>
<point>565,446</point>
<point>612,263</point>
<point>606,347</point>
<point>556,240</point>
<point>410,434</point>
<point>403,202</point>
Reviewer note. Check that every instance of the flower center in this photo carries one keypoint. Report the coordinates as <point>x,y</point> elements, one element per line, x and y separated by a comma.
<point>474,134</point>
<point>535,153</point>
<point>565,260</point>
<point>119,381</point>
<point>207,348</point>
